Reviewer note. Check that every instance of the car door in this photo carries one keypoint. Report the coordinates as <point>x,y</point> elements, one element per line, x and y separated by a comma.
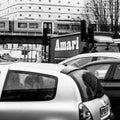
<point>109,75</point>
<point>113,88</point>
<point>25,97</point>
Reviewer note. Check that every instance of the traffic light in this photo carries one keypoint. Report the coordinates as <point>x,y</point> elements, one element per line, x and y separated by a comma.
<point>45,37</point>
<point>83,30</point>
<point>91,34</point>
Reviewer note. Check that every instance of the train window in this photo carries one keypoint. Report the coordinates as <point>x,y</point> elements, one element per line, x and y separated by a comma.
<point>33,25</point>
<point>75,27</point>
<point>2,24</point>
<point>63,26</point>
<point>22,25</point>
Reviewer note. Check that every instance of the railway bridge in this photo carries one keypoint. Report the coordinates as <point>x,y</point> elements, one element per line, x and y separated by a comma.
<point>21,38</point>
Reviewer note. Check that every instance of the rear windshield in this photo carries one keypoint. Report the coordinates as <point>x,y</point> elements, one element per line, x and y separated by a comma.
<point>79,62</point>
<point>88,85</point>
<point>28,86</point>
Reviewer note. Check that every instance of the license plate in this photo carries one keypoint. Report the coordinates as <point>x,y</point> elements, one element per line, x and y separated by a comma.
<point>104,111</point>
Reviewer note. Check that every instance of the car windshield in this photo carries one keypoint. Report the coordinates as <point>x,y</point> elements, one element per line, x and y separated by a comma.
<point>28,86</point>
<point>88,85</point>
<point>79,62</point>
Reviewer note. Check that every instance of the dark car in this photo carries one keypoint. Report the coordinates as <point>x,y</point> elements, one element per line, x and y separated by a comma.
<point>108,72</point>
<point>7,57</point>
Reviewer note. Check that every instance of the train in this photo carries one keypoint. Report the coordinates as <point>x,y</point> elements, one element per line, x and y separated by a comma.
<point>36,26</point>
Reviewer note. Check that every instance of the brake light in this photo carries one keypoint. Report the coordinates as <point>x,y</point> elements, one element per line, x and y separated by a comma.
<point>84,113</point>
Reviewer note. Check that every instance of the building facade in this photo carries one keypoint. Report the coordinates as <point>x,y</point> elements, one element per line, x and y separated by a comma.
<point>41,9</point>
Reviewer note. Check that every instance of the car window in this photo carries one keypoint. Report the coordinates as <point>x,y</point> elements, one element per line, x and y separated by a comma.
<point>103,58</point>
<point>103,48</point>
<point>79,62</point>
<point>88,85</point>
<point>100,70</point>
<point>28,86</point>
<point>116,75</point>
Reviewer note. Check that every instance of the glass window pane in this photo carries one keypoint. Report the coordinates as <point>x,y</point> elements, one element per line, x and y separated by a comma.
<point>116,75</point>
<point>102,58</point>
<point>33,25</point>
<point>88,85</point>
<point>27,86</point>
<point>100,70</point>
<point>22,25</point>
<point>79,62</point>
<point>2,24</point>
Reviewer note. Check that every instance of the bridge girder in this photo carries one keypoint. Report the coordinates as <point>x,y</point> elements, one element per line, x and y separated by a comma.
<point>21,39</point>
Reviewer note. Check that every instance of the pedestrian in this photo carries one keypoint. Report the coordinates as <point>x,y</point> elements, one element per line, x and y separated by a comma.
<point>94,49</point>
<point>85,50</point>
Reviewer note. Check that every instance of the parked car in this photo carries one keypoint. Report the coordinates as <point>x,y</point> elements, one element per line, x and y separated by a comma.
<point>44,91</point>
<point>108,72</point>
<point>82,59</point>
<point>6,57</point>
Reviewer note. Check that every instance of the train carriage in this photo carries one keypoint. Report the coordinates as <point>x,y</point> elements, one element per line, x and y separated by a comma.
<point>27,26</point>
<point>36,26</point>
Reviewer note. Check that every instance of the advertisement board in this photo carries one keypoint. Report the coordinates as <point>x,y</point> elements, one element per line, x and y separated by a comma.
<point>65,46</point>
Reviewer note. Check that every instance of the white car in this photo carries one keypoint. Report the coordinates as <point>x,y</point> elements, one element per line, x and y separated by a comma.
<point>44,91</point>
<point>82,59</point>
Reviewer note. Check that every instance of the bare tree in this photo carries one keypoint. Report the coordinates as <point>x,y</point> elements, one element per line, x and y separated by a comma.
<point>104,12</point>
<point>116,16</point>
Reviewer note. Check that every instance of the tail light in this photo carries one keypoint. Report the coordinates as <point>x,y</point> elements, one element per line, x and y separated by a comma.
<point>84,113</point>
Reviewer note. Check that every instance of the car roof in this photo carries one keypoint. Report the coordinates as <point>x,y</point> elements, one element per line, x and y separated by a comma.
<point>27,65</point>
<point>106,54</point>
<point>102,62</point>
<point>40,66</point>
